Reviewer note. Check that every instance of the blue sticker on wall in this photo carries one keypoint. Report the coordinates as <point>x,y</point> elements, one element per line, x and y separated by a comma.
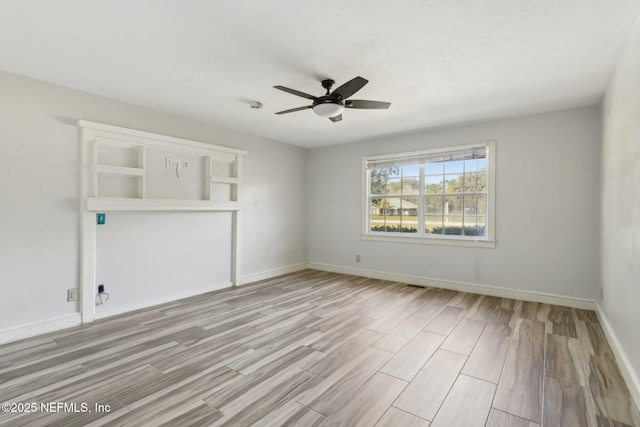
<point>101,218</point>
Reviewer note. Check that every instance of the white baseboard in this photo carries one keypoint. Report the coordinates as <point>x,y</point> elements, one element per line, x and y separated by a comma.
<point>475,288</point>
<point>630,376</point>
<point>38,328</point>
<point>248,278</point>
<point>107,312</point>
<point>58,323</point>
<point>275,272</point>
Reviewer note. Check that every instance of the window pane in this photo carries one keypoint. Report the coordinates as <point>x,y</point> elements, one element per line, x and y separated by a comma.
<point>470,208</point>
<point>470,226</point>
<point>433,224</point>
<point>411,170</point>
<point>376,186</point>
<point>378,180</point>
<point>482,165</point>
<point>454,183</point>
<point>408,216</point>
<point>390,206</point>
<point>481,226</point>
<point>471,182</point>
<point>394,186</point>
<point>409,206</point>
<point>453,225</point>
<point>455,166</point>
<point>374,206</point>
<point>480,206</point>
<point>453,205</point>
<point>383,214</point>
<point>434,184</point>
<point>471,165</point>
<point>482,182</point>
<point>411,185</point>
<point>434,205</point>
<point>434,168</point>
<point>376,216</point>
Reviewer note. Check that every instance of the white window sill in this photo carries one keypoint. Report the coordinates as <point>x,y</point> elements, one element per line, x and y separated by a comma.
<point>431,240</point>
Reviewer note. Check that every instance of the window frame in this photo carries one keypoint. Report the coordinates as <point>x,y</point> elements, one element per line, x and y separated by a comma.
<point>488,241</point>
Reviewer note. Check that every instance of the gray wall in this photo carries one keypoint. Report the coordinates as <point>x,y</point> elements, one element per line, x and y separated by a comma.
<point>550,245</point>
<point>39,213</point>
<point>621,207</point>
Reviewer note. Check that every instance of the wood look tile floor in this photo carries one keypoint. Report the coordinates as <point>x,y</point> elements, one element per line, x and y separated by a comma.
<point>315,348</point>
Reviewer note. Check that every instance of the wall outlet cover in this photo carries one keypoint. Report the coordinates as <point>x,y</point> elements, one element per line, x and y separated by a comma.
<point>72,294</point>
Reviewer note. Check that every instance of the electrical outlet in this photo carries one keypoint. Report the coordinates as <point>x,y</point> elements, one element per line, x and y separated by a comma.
<point>357,258</point>
<point>186,164</point>
<point>168,162</point>
<point>72,294</point>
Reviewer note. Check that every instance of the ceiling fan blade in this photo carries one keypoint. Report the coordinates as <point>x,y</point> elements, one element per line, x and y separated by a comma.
<point>336,118</point>
<point>350,87</point>
<point>294,109</point>
<point>369,105</point>
<point>296,92</point>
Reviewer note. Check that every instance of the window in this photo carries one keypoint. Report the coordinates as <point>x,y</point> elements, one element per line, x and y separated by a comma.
<point>437,196</point>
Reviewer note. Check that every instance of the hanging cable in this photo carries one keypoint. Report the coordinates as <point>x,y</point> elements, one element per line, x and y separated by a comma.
<point>101,292</point>
<point>177,165</point>
<point>102,301</point>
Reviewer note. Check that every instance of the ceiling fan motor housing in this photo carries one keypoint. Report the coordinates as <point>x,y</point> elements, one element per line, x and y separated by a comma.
<point>328,84</point>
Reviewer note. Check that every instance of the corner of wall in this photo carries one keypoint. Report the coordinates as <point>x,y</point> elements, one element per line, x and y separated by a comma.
<point>631,377</point>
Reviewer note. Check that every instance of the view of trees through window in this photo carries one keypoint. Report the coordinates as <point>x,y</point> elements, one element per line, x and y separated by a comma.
<point>446,197</point>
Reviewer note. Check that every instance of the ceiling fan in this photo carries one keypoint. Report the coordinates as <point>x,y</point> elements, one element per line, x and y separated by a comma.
<point>332,104</point>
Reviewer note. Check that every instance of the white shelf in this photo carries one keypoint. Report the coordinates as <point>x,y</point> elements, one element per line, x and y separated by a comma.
<point>119,170</point>
<point>225,180</point>
<point>140,205</point>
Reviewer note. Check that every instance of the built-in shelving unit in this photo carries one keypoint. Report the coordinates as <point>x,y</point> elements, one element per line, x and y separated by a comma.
<point>126,170</point>
<point>118,172</point>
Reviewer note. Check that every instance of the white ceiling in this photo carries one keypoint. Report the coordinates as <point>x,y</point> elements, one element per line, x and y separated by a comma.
<point>437,61</point>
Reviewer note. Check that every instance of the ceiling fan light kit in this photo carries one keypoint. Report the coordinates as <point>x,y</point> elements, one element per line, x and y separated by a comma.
<point>332,104</point>
<point>328,109</point>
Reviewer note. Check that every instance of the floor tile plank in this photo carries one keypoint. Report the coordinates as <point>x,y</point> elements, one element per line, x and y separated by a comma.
<point>406,364</point>
<point>520,387</point>
<point>333,391</point>
<point>565,405</point>
<point>426,392</point>
<point>446,320</point>
<point>395,417</point>
<point>467,404</point>
<point>487,357</point>
<point>394,340</point>
<point>365,407</point>
<point>564,360</point>
<point>503,419</point>
<point>464,337</point>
